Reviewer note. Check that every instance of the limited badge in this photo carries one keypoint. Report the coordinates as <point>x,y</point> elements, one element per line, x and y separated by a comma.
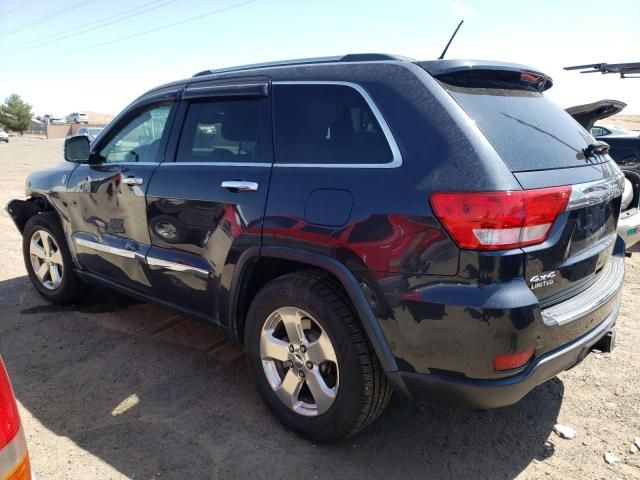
<point>542,280</point>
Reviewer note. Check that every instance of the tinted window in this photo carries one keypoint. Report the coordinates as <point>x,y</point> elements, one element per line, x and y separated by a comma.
<point>139,139</point>
<point>324,124</point>
<point>528,130</point>
<point>221,131</point>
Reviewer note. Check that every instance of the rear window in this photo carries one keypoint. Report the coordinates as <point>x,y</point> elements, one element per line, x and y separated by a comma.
<point>326,124</point>
<point>528,130</point>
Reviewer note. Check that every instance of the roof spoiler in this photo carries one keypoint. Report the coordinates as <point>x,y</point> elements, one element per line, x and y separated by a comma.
<point>477,72</point>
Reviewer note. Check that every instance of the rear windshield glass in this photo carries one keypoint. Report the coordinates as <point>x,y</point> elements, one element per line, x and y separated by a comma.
<point>528,130</point>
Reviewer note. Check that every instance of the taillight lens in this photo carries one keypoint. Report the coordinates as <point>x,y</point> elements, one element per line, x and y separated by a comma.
<point>500,220</point>
<point>9,418</point>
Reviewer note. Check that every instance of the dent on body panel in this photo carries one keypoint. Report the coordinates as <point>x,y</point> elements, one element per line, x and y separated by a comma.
<point>109,206</point>
<point>203,228</point>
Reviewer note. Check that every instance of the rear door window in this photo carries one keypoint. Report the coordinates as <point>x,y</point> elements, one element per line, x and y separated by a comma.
<point>221,131</point>
<point>528,130</point>
<point>320,124</point>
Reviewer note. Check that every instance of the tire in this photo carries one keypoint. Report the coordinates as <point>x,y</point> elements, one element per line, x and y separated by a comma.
<point>359,388</point>
<point>68,287</point>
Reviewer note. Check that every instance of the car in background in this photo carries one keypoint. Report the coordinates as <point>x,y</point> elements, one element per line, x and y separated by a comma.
<point>4,136</point>
<point>625,151</point>
<point>611,131</point>
<point>14,456</point>
<point>90,132</point>
<point>77,117</point>
<point>50,119</point>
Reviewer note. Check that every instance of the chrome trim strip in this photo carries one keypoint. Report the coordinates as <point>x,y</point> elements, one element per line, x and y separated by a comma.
<point>592,193</point>
<point>223,85</point>
<point>397,156</point>
<point>607,285</point>
<point>107,164</point>
<point>219,164</point>
<point>101,247</point>
<point>177,267</point>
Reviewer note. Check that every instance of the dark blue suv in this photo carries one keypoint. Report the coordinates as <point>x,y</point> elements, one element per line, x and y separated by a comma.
<point>362,224</point>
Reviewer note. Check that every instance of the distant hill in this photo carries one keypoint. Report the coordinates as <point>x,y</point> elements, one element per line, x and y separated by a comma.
<point>631,122</point>
<point>98,118</point>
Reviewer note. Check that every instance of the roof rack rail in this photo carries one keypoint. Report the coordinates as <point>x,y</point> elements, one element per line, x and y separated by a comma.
<point>626,70</point>
<point>351,57</point>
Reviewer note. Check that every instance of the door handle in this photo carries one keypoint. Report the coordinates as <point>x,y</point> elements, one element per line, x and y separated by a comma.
<point>239,185</point>
<point>132,181</point>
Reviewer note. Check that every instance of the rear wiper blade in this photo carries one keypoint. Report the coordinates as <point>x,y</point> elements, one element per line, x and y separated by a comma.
<point>595,148</point>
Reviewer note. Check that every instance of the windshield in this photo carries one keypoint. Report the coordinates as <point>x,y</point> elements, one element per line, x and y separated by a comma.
<point>528,130</point>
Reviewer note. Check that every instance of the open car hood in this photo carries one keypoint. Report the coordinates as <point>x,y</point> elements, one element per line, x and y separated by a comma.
<point>588,114</point>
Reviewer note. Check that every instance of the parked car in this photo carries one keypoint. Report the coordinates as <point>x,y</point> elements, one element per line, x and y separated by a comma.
<point>4,136</point>
<point>363,224</point>
<point>90,132</point>
<point>77,117</point>
<point>611,131</point>
<point>625,150</point>
<point>49,119</point>
<point>14,455</point>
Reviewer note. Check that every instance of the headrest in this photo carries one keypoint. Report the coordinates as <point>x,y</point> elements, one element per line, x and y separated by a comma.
<point>241,121</point>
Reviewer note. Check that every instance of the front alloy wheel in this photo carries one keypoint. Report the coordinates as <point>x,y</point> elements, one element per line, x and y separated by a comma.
<point>46,259</point>
<point>299,361</point>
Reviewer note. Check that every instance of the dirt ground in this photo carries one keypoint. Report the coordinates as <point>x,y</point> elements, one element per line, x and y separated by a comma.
<point>112,388</point>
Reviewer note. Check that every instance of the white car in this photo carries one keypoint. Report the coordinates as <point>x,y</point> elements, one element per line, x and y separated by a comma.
<point>77,117</point>
<point>601,130</point>
<point>4,136</point>
<point>90,132</point>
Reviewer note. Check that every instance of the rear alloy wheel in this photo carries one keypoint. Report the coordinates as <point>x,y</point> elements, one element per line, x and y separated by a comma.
<point>48,261</point>
<point>299,361</point>
<point>310,359</point>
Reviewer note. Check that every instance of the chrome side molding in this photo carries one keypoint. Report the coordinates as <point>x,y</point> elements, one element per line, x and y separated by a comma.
<point>101,247</point>
<point>177,267</point>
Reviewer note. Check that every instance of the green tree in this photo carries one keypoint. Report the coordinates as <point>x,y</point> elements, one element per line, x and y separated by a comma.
<point>15,114</point>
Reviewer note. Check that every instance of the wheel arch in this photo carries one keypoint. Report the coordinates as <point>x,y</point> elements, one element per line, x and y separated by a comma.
<point>21,211</point>
<point>251,274</point>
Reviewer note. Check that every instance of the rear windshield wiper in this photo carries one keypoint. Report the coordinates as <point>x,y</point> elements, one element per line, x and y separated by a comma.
<point>595,148</point>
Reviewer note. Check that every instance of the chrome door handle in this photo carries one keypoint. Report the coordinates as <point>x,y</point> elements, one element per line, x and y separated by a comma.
<point>132,181</point>
<point>239,185</point>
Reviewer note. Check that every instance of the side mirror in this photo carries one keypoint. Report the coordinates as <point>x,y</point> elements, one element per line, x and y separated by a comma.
<point>76,149</point>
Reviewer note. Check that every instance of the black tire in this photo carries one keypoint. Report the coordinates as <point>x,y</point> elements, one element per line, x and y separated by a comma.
<point>363,392</point>
<point>71,288</point>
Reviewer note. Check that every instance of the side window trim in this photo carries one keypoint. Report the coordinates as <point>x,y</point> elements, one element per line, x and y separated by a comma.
<point>393,145</point>
<point>179,121</point>
<point>124,120</point>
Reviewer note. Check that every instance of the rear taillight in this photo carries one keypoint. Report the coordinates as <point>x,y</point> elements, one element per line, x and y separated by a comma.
<point>499,220</point>
<point>9,418</point>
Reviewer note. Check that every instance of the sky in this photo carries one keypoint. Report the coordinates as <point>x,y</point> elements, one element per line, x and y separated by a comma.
<point>69,55</point>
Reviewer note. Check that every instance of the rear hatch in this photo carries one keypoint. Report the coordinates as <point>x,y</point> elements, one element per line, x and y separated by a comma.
<point>544,147</point>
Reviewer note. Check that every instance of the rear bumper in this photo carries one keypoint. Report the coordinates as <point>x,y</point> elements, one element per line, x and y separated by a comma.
<point>483,394</point>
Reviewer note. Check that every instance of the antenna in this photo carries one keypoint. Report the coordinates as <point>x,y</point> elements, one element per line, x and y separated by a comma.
<point>450,40</point>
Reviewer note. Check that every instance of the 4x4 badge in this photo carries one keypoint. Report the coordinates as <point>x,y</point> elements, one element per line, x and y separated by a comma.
<point>542,280</point>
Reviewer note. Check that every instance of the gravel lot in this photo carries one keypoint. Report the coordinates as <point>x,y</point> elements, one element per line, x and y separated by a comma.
<point>112,388</point>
